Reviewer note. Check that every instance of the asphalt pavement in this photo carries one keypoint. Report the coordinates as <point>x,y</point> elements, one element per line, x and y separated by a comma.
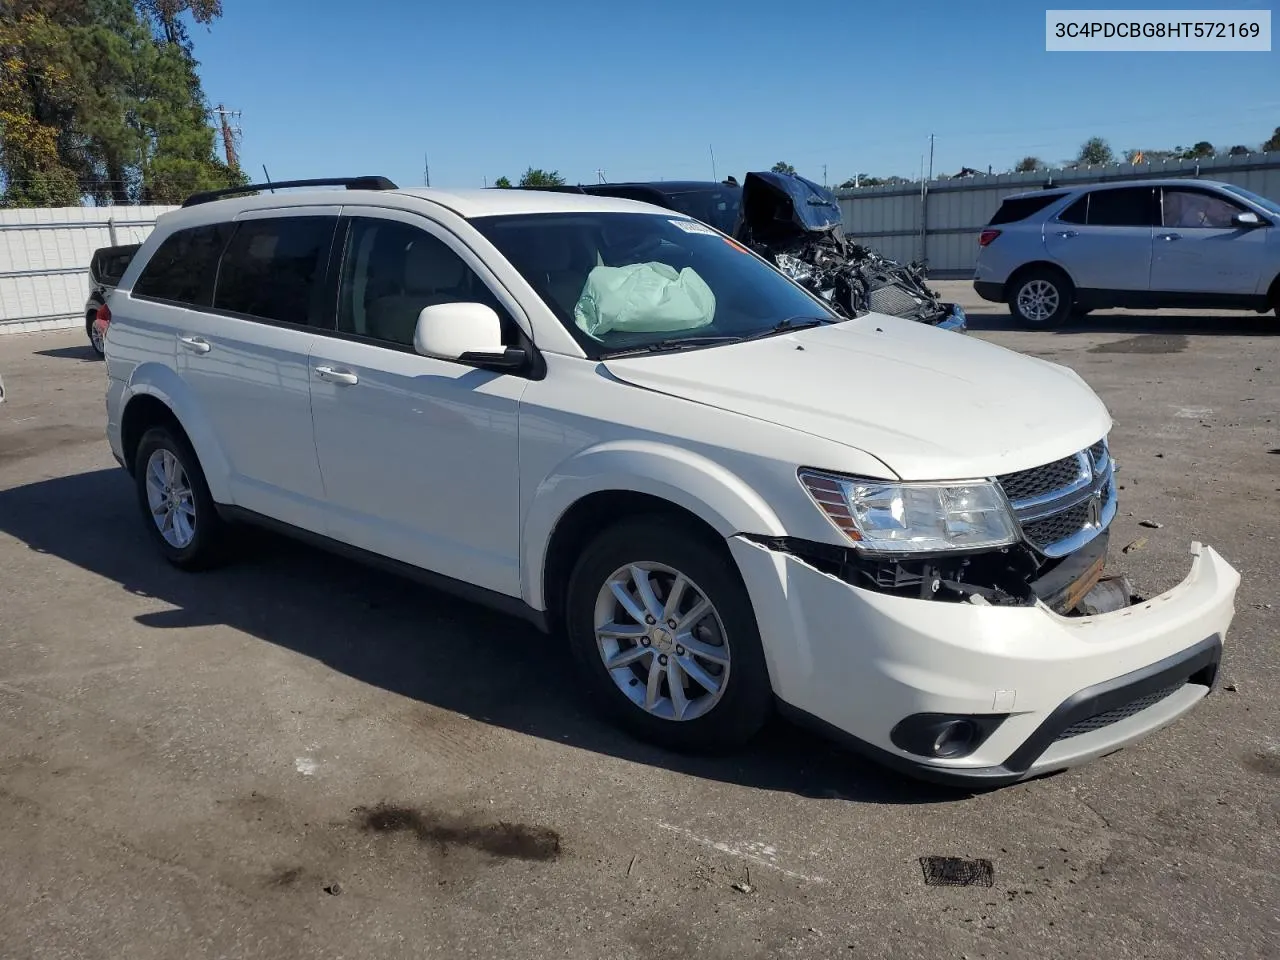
<point>297,757</point>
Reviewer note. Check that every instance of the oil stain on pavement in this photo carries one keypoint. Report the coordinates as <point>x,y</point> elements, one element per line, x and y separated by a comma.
<point>516,841</point>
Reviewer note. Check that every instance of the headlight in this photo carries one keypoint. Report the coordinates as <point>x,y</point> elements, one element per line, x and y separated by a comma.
<point>913,517</point>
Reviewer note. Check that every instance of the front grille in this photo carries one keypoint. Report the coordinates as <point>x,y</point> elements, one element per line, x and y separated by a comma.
<point>891,299</point>
<point>1058,526</point>
<point>1039,481</point>
<point>1108,717</point>
<point>1063,505</point>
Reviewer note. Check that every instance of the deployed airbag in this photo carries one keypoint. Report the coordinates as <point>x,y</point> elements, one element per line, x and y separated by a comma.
<point>643,298</point>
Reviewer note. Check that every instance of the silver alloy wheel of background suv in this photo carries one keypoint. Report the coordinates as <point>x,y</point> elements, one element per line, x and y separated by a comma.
<point>662,641</point>
<point>1038,300</point>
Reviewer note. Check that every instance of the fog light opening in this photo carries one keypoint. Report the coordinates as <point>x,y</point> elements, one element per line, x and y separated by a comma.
<point>954,739</point>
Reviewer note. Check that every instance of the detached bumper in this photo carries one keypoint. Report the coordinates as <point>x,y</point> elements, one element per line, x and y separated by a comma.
<point>1050,692</point>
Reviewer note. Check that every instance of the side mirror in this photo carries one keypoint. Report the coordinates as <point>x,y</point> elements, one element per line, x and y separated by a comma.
<point>1247,219</point>
<point>465,332</point>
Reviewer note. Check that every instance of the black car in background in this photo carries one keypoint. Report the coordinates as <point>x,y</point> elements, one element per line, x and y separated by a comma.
<point>106,267</point>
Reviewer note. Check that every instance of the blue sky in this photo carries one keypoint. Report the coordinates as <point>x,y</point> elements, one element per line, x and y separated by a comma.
<point>642,90</point>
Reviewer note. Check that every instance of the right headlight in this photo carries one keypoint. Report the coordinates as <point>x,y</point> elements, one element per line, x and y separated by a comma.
<point>885,517</point>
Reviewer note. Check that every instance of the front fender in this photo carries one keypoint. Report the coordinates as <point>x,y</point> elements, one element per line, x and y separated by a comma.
<point>703,487</point>
<point>161,382</point>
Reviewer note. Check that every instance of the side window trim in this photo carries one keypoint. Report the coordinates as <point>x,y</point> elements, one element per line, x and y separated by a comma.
<point>279,213</point>
<point>450,239</point>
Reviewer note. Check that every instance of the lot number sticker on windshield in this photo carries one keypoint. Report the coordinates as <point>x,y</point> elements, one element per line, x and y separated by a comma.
<point>693,226</point>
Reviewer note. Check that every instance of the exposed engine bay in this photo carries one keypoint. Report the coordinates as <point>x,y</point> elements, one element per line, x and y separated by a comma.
<point>796,224</point>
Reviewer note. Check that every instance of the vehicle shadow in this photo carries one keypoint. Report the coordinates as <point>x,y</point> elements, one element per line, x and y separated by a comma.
<point>405,638</point>
<point>1242,324</point>
<point>81,352</point>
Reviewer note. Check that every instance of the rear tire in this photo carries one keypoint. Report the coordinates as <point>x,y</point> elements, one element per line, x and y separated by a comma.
<point>94,340</point>
<point>684,679</point>
<point>176,506</point>
<point>1041,298</point>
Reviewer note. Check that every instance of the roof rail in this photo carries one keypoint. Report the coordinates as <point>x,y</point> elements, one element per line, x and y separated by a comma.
<point>351,183</point>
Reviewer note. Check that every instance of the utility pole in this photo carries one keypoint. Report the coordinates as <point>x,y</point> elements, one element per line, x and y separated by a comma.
<point>713,162</point>
<point>229,136</point>
<point>824,174</point>
<point>426,171</point>
<point>931,156</point>
<point>600,176</point>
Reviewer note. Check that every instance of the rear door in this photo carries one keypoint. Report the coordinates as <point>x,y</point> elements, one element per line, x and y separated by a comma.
<point>1103,240</point>
<point>1199,249</point>
<point>246,359</point>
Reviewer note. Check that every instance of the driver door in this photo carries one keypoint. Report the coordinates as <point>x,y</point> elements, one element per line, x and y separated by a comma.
<point>419,456</point>
<point>1199,249</point>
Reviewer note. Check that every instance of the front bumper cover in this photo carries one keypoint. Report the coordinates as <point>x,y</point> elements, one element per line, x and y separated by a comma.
<point>856,662</point>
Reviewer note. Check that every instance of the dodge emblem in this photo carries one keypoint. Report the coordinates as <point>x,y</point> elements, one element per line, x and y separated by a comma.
<point>1095,511</point>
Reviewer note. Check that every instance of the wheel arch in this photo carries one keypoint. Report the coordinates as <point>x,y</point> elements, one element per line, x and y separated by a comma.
<point>156,396</point>
<point>617,481</point>
<point>1015,278</point>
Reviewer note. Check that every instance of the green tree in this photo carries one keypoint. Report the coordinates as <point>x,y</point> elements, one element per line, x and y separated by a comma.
<point>1239,150</point>
<point>101,99</point>
<point>1272,142</point>
<point>537,177</point>
<point>1201,151</point>
<point>1095,152</point>
<point>503,182</point>
<point>1029,165</point>
<point>783,167</point>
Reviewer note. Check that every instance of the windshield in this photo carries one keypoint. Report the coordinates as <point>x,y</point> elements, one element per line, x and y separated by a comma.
<point>626,281</point>
<point>720,207</point>
<point>1263,202</point>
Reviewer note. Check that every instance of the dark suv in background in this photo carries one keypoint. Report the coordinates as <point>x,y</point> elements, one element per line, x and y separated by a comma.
<point>105,270</point>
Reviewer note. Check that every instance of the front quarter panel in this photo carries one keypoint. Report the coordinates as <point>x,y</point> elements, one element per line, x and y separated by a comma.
<point>584,432</point>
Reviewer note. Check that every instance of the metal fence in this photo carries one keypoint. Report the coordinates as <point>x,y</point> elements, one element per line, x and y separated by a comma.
<point>938,222</point>
<point>44,259</point>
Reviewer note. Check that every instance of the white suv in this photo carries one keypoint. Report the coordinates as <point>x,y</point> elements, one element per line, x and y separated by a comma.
<point>619,423</point>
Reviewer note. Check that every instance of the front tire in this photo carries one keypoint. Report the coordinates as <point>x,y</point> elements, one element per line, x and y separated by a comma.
<point>176,506</point>
<point>664,635</point>
<point>1041,298</point>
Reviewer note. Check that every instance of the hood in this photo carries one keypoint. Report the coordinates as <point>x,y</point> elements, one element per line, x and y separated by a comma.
<point>929,404</point>
<point>780,207</point>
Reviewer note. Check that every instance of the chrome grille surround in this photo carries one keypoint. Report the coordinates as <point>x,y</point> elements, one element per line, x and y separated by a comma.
<point>1063,505</point>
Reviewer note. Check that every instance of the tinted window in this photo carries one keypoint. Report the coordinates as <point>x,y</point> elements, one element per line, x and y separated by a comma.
<point>1020,208</point>
<point>1077,212</point>
<point>274,269</point>
<point>1193,208</point>
<point>185,265</point>
<point>1125,207</point>
<point>391,270</point>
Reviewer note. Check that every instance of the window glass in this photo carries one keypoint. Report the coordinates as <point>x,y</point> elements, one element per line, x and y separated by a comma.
<point>274,269</point>
<point>1124,207</point>
<point>1020,208</point>
<point>1191,208</point>
<point>391,270</point>
<point>1078,212</point>
<point>622,281</point>
<point>183,268</point>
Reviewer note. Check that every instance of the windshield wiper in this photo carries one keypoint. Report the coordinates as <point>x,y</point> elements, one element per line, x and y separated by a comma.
<point>790,325</point>
<point>669,344</point>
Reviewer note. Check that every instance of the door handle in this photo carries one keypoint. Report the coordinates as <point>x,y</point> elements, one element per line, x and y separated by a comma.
<point>1169,236</point>
<point>1068,234</point>
<point>195,344</point>
<point>334,375</point>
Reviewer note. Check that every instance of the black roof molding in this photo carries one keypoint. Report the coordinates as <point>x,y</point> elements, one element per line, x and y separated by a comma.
<point>351,183</point>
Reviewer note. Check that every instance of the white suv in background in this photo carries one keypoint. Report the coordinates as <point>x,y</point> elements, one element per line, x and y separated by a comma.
<point>619,423</point>
<point>1146,244</point>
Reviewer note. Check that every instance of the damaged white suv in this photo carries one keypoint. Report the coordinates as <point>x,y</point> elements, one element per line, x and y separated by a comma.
<point>621,424</point>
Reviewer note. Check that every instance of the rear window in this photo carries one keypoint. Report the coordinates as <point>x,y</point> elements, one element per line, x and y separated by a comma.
<point>183,268</point>
<point>1123,207</point>
<point>1019,208</point>
<point>109,263</point>
<point>274,269</point>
